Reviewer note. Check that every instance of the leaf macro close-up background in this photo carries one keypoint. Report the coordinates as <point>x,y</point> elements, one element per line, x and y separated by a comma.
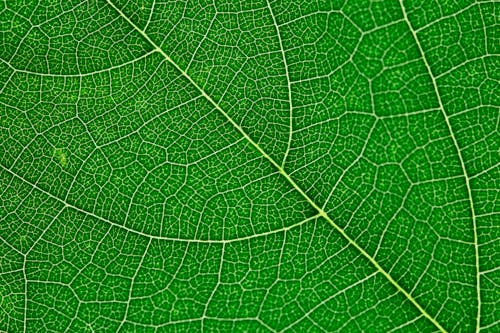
<point>253,165</point>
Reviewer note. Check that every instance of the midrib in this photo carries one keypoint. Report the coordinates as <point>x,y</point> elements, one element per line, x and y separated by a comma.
<point>280,169</point>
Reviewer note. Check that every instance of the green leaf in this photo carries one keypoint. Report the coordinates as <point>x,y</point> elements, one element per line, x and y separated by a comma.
<point>291,166</point>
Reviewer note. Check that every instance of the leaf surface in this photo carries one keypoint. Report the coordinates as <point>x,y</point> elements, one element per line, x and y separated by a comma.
<point>282,166</point>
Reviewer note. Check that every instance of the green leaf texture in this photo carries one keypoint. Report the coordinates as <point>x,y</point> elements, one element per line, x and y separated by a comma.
<point>261,166</point>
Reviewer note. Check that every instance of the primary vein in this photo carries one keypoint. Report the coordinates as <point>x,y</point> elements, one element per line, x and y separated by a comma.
<point>280,169</point>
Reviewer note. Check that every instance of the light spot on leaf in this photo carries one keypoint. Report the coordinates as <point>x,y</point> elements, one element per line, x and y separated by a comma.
<point>61,157</point>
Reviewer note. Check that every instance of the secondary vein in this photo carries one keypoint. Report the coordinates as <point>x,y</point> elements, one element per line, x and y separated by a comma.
<point>289,86</point>
<point>460,158</point>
